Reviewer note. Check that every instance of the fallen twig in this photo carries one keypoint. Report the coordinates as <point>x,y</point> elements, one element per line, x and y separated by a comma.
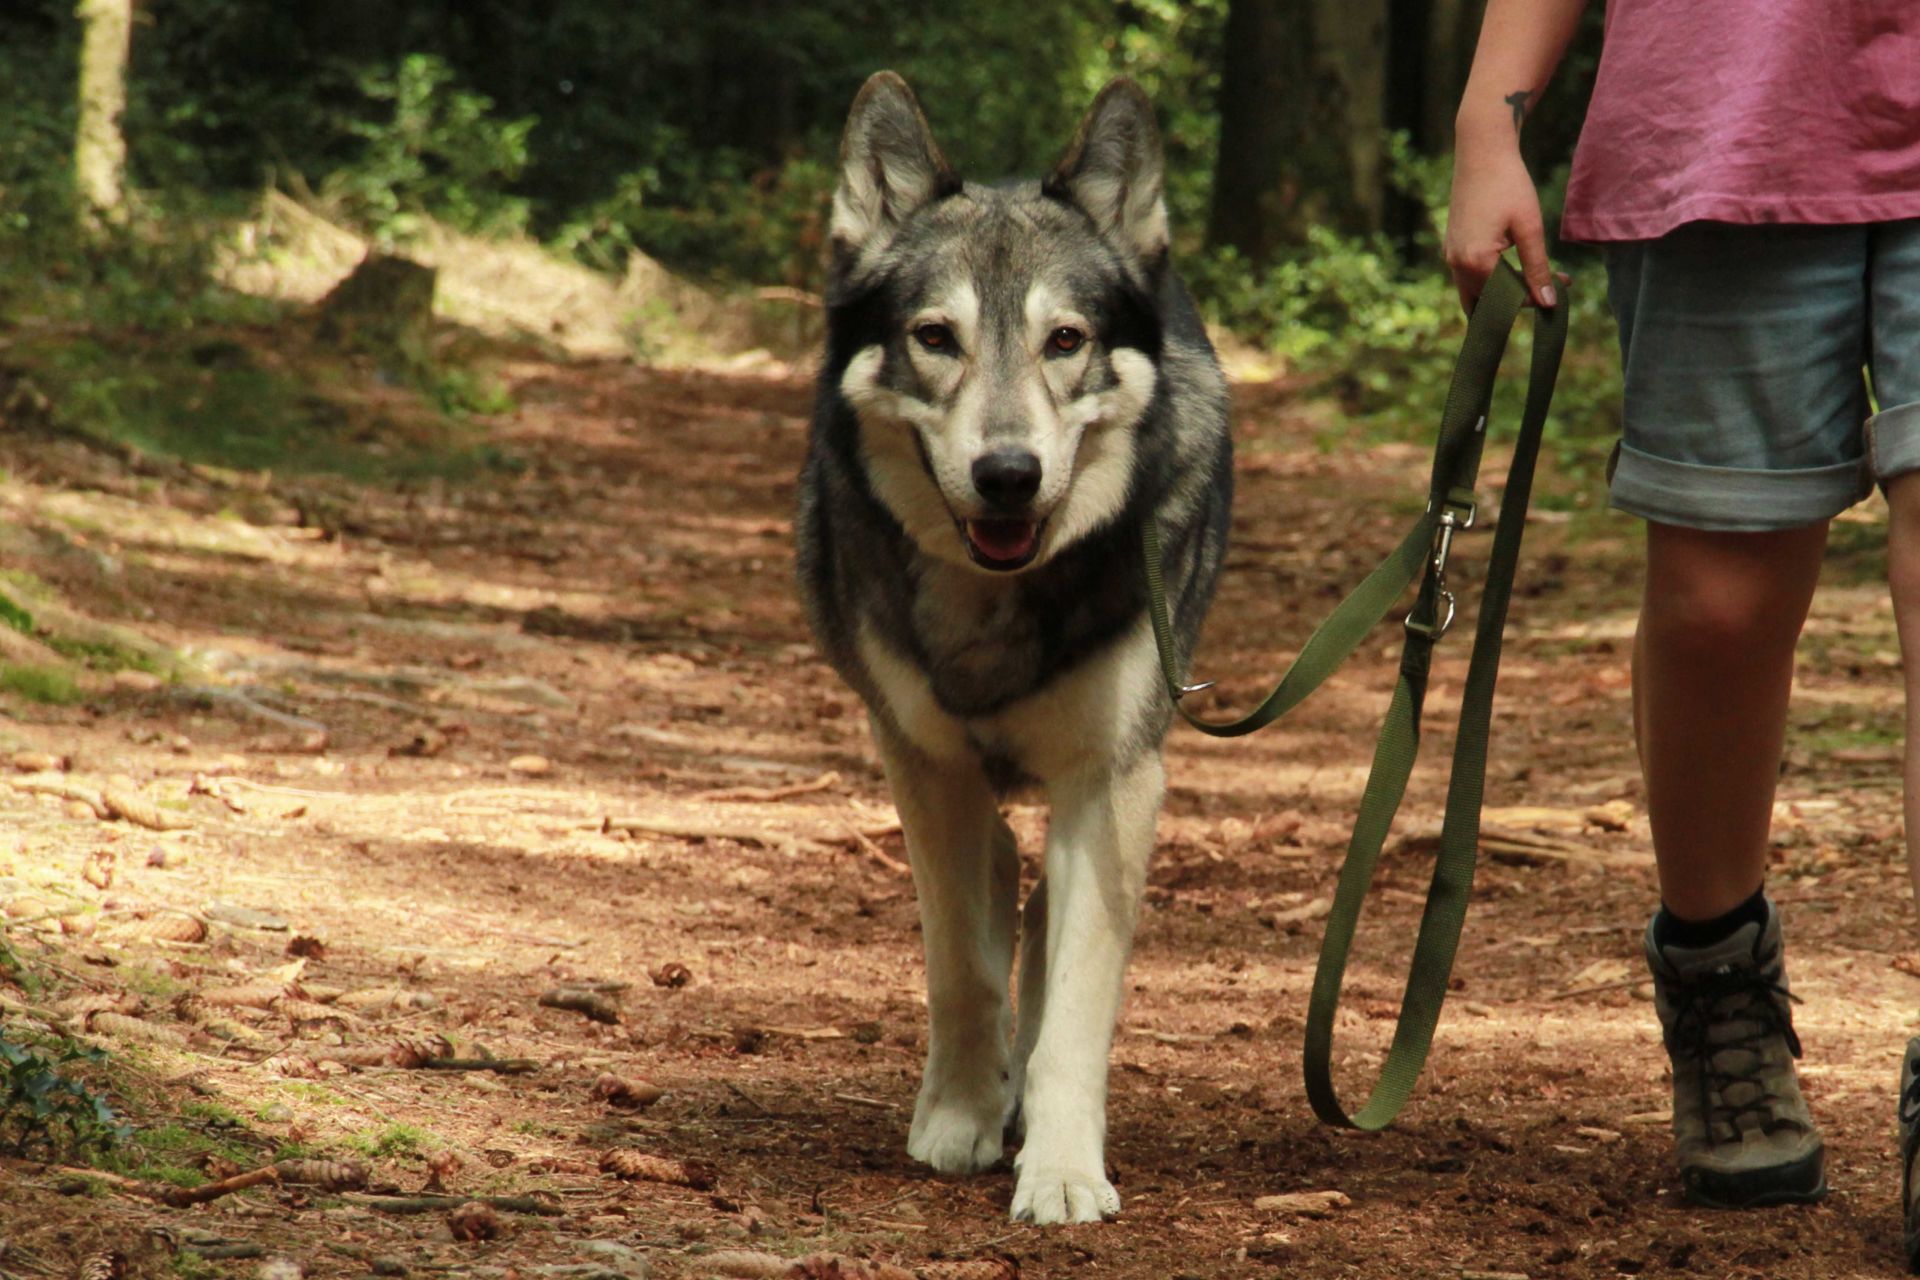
<point>596,1007</point>
<point>435,1204</point>
<point>858,1100</point>
<point>505,1066</point>
<point>182,1197</point>
<point>239,1249</point>
<point>825,782</point>
<point>1622,985</point>
<point>197,693</point>
<point>40,784</point>
<point>865,844</point>
<point>696,831</point>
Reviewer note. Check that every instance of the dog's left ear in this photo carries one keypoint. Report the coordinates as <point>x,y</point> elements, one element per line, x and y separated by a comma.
<point>1114,171</point>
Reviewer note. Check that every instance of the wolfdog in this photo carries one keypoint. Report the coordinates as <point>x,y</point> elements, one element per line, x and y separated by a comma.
<point>1014,381</point>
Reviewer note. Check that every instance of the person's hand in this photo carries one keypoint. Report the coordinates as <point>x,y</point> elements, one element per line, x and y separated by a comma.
<point>1493,207</point>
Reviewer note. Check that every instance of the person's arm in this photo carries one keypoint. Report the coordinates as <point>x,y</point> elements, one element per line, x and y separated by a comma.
<point>1494,203</point>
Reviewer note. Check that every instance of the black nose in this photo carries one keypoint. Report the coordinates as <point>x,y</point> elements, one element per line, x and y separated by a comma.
<point>1007,477</point>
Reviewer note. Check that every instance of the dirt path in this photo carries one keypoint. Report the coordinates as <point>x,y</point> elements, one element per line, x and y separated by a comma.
<point>620,608</point>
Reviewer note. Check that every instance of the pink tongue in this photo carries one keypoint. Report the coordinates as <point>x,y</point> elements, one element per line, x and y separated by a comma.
<point>1002,539</point>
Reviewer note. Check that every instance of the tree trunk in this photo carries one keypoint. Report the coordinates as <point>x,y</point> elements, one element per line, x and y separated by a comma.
<point>100,149</point>
<point>1302,113</point>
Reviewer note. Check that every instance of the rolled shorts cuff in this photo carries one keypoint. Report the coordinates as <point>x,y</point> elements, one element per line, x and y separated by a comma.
<point>1737,499</point>
<point>1893,441</point>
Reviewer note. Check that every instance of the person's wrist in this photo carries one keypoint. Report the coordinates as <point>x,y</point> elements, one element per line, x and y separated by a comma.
<point>1481,130</point>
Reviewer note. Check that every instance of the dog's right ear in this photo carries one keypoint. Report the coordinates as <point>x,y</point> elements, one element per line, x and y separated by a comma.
<point>889,166</point>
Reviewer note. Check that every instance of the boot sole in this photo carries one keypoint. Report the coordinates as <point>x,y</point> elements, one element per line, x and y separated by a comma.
<point>1801,1182</point>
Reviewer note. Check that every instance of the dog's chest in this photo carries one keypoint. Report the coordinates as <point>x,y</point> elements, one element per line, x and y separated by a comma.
<point>981,643</point>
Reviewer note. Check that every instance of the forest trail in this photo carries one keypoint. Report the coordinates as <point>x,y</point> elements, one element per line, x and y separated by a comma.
<point>575,734</point>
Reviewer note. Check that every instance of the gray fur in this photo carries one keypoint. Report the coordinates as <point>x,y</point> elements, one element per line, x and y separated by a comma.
<point>1035,673</point>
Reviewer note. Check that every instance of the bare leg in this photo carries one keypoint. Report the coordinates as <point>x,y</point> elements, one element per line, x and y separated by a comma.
<point>1903,578</point>
<point>1097,854</point>
<point>1712,670</point>
<point>966,874</point>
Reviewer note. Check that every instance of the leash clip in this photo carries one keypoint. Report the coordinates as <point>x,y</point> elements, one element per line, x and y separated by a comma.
<point>1186,689</point>
<point>1456,516</point>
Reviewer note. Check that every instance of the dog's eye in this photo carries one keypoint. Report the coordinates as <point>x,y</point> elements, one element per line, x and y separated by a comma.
<point>934,337</point>
<point>1065,340</point>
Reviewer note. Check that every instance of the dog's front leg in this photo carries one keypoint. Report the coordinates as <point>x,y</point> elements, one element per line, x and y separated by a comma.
<point>966,873</point>
<point>1098,846</point>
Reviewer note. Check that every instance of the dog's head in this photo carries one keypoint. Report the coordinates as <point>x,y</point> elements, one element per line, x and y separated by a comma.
<point>998,345</point>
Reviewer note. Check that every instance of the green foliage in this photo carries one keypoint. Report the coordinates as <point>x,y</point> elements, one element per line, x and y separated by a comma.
<point>39,684</point>
<point>1171,47</point>
<point>1381,327</point>
<point>393,1140</point>
<point>461,391</point>
<point>14,616</point>
<point>45,1105</point>
<point>431,148</point>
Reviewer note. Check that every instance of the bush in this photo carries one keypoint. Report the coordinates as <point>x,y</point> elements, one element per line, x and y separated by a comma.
<point>430,147</point>
<point>1381,325</point>
<point>43,1106</point>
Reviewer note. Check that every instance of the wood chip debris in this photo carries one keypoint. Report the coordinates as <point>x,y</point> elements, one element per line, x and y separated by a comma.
<point>1304,1204</point>
<point>750,1264</point>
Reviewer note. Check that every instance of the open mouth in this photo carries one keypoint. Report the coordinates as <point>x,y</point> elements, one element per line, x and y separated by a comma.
<point>1001,544</point>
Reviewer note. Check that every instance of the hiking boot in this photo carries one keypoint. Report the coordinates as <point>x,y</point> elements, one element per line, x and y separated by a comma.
<point>1741,1129</point>
<point>1909,1149</point>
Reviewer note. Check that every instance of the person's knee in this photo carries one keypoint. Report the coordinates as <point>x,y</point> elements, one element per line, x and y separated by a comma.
<point>1727,598</point>
<point>1903,542</point>
<point>1722,617</point>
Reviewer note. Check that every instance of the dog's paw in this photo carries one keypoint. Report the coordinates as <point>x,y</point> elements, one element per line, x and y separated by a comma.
<point>954,1138</point>
<point>1046,1194</point>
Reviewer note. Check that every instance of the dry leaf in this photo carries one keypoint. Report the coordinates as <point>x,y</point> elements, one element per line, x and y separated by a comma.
<point>98,869</point>
<point>473,1221</point>
<point>672,975</point>
<point>629,1095</point>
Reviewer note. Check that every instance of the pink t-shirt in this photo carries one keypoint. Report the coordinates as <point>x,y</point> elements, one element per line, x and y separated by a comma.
<point>1749,111</point>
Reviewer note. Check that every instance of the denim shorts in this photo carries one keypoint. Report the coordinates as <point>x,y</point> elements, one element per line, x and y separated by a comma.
<point>1743,350</point>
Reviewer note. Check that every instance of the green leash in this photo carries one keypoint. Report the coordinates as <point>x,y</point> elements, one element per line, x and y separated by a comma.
<point>1422,554</point>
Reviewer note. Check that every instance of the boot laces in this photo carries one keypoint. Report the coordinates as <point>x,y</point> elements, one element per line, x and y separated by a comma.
<point>1760,1005</point>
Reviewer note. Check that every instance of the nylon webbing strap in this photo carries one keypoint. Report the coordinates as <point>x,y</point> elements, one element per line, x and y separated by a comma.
<point>1450,507</point>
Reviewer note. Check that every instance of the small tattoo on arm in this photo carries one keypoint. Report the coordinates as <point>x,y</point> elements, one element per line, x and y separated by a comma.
<point>1518,101</point>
